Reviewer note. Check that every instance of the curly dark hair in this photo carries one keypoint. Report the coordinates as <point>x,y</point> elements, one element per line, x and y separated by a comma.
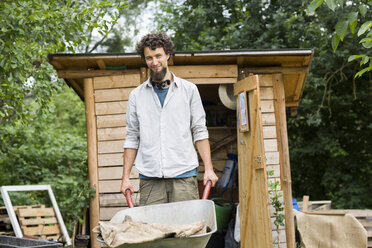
<point>155,40</point>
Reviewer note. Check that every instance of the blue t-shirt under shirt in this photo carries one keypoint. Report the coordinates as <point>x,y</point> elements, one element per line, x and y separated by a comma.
<point>162,94</point>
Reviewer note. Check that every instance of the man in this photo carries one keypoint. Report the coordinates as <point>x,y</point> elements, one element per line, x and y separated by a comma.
<point>164,116</point>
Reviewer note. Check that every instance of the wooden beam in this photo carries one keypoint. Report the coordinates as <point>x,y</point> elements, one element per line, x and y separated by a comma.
<point>115,172</point>
<point>282,136</point>
<point>110,159</point>
<point>113,186</point>
<point>224,141</point>
<point>101,64</point>
<point>305,203</point>
<point>212,80</point>
<point>108,108</point>
<point>57,65</point>
<point>291,104</point>
<point>76,87</point>
<point>92,157</point>
<point>246,84</point>
<point>276,69</point>
<point>116,200</point>
<point>116,133</point>
<point>205,71</point>
<point>143,74</point>
<point>112,95</point>
<point>118,81</point>
<point>113,146</point>
<point>69,74</point>
<point>299,86</point>
<point>111,121</point>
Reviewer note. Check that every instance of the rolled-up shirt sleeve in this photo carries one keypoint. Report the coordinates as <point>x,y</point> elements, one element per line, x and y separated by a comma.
<point>198,122</point>
<point>132,136</point>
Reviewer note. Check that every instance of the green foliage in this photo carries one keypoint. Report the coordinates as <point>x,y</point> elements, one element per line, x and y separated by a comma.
<point>120,37</point>
<point>330,157</point>
<point>277,203</point>
<point>350,19</point>
<point>50,149</point>
<point>330,139</point>
<point>29,31</point>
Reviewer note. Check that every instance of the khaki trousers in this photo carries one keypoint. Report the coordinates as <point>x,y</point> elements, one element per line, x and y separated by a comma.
<point>164,190</point>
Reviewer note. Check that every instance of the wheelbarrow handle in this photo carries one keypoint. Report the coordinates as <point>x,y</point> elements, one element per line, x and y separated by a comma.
<point>207,189</point>
<point>128,197</point>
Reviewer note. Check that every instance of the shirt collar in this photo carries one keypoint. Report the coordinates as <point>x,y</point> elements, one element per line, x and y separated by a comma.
<point>176,80</point>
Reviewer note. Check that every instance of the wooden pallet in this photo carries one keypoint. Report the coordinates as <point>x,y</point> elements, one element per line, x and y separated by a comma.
<point>5,225</point>
<point>38,221</point>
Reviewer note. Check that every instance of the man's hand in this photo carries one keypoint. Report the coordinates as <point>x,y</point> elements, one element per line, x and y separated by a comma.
<point>205,153</point>
<point>210,175</point>
<point>129,157</point>
<point>126,184</point>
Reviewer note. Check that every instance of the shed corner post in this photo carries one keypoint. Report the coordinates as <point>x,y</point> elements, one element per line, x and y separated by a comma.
<point>92,156</point>
<point>280,115</point>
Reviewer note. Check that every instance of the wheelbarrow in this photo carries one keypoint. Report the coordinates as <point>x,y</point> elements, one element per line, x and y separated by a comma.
<point>179,213</point>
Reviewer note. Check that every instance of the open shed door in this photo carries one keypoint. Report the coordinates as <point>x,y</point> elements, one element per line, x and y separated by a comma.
<point>255,226</point>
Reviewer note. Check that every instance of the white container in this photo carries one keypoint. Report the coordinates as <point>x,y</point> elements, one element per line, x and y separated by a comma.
<point>185,212</point>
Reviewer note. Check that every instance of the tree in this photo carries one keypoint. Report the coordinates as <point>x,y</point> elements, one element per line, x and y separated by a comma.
<point>120,37</point>
<point>330,137</point>
<point>29,31</point>
<point>49,149</point>
<point>350,19</point>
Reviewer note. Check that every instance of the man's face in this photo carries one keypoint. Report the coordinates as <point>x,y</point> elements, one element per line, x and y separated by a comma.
<point>156,59</point>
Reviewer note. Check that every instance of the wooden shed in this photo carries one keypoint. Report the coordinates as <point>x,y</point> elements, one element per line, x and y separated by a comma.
<point>265,83</point>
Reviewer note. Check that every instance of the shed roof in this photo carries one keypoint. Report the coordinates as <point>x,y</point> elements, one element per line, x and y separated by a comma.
<point>293,63</point>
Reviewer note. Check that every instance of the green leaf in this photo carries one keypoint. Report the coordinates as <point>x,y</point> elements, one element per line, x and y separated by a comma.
<point>367,45</point>
<point>313,6</point>
<point>366,40</point>
<point>369,34</point>
<point>353,57</point>
<point>363,9</point>
<point>341,28</point>
<point>331,4</point>
<point>364,27</point>
<point>352,19</point>
<point>360,73</point>
<point>365,60</point>
<point>341,3</point>
<point>335,42</point>
<point>352,26</point>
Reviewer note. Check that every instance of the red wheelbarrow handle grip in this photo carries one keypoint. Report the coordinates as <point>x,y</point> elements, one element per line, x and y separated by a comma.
<point>207,189</point>
<point>128,197</point>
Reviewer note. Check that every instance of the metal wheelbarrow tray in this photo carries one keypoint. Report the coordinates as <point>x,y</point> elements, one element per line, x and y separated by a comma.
<point>181,213</point>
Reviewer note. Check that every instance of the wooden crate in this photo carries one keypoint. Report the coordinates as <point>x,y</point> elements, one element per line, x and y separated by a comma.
<point>5,225</point>
<point>38,221</point>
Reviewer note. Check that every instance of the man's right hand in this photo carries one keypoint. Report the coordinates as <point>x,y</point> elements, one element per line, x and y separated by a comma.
<point>126,184</point>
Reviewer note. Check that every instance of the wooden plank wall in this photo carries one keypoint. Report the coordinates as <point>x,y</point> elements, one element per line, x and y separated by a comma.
<point>271,149</point>
<point>219,156</point>
<point>111,96</point>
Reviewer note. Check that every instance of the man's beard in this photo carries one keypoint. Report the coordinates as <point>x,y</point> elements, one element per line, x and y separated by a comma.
<point>158,76</point>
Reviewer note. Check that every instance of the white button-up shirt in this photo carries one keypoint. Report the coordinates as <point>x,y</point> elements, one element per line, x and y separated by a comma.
<point>164,135</point>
